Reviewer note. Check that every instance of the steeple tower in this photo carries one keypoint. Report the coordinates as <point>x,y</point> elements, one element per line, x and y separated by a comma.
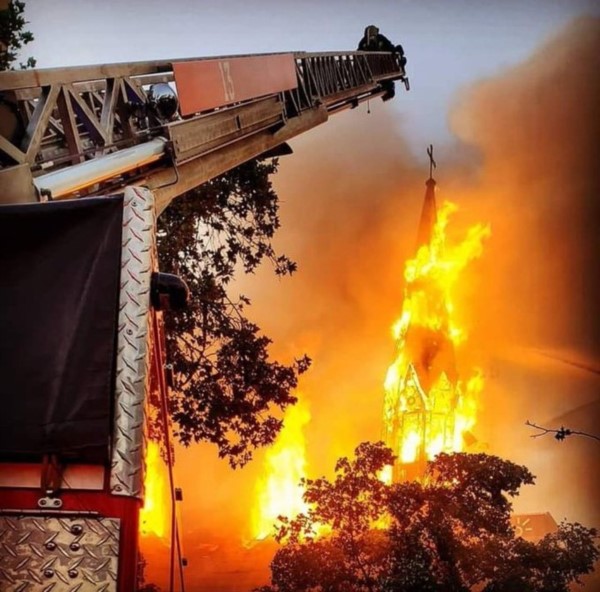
<point>429,211</point>
<point>422,384</point>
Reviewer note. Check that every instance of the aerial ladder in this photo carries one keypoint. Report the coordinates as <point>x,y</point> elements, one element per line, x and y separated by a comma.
<point>169,125</point>
<point>82,349</point>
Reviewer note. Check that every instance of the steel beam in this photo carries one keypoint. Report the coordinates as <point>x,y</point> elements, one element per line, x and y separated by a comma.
<point>168,184</point>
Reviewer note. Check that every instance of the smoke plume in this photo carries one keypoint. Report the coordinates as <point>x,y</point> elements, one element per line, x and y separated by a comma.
<point>526,162</point>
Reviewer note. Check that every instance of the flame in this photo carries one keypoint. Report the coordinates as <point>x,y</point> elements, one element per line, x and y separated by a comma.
<point>155,514</point>
<point>428,409</point>
<point>278,491</point>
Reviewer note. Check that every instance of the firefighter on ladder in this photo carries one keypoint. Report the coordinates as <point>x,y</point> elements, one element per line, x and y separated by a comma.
<point>373,40</point>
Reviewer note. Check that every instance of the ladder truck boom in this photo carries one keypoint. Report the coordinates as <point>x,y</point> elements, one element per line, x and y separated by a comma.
<point>88,130</point>
<point>82,353</point>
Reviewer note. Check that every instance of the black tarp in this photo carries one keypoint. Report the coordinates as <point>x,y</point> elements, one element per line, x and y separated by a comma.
<point>59,289</point>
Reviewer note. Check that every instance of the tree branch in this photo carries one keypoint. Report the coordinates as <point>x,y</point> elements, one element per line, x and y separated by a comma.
<point>561,433</point>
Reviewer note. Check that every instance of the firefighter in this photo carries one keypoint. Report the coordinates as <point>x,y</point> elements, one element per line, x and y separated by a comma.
<point>373,40</point>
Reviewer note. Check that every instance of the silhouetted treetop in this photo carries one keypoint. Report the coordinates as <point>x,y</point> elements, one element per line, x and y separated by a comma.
<point>450,532</point>
<point>13,36</point>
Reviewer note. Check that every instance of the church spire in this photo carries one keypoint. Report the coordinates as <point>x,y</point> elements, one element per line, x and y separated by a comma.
<point>429,211</point>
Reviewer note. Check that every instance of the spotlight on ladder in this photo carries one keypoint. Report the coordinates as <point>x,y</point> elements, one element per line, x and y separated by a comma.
<point>163,101</point>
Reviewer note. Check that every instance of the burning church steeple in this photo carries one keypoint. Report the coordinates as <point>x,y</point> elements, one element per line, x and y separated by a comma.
<point>427,407</point>
<point>429,211</point>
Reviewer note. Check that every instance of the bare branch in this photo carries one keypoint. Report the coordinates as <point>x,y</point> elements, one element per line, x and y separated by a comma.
<point>560,433</point>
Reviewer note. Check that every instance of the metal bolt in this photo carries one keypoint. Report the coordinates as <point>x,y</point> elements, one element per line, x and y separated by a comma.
<point>48,573</point>
<point>73,573</point>
<point>76,529</point>
<point>74,546</point>
<point>42,502</point>
<point>50,545</point>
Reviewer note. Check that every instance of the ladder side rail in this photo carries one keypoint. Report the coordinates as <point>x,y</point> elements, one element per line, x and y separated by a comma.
<point>330,70</point>
<point>311,81</point>
<point>327,75</point>
<point>30,80</point>
<point>305,85</point>
<point>332,74</point>
<point>302,92</point>
<point>317,73</point>
<point>362,68</point>
<point>22,79</point>
<point>344,72</point>
<point>339,73</point>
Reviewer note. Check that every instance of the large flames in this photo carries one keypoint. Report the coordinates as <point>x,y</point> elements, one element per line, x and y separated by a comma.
<point>428,409</point>
<point>155,515</point>
<point>278,492</point>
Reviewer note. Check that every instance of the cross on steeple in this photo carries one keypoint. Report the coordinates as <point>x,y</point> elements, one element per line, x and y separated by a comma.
<point>432,164</point>
<point>429,211</point>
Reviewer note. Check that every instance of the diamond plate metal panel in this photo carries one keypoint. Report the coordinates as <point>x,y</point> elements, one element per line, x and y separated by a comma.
<point>70,554</point>
<point>133,343</point>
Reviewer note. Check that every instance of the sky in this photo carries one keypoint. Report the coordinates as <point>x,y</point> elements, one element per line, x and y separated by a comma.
<point>449,43</point>
<point>508,93</point>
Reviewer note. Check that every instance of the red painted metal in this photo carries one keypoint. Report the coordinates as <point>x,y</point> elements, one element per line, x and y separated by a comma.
<point>206,84</point>
<point>127,509</point>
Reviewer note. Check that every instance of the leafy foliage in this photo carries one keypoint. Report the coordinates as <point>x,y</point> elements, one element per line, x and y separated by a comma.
<point>450,532</point>
<point>12,35</point>
<point>226,387</point>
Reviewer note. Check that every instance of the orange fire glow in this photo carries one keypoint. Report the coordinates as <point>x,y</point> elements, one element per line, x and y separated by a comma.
<point>428,409</point>
<point>155,515</point>
<point>278,491</point>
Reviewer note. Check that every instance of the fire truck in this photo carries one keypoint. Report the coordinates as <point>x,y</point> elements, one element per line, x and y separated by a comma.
<point>89,157</point>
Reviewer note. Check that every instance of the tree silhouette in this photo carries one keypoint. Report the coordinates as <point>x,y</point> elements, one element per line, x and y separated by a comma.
<point>12,35</point>
<point>226,386</point>
<point>451,532</point>
<point>561,433</point>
